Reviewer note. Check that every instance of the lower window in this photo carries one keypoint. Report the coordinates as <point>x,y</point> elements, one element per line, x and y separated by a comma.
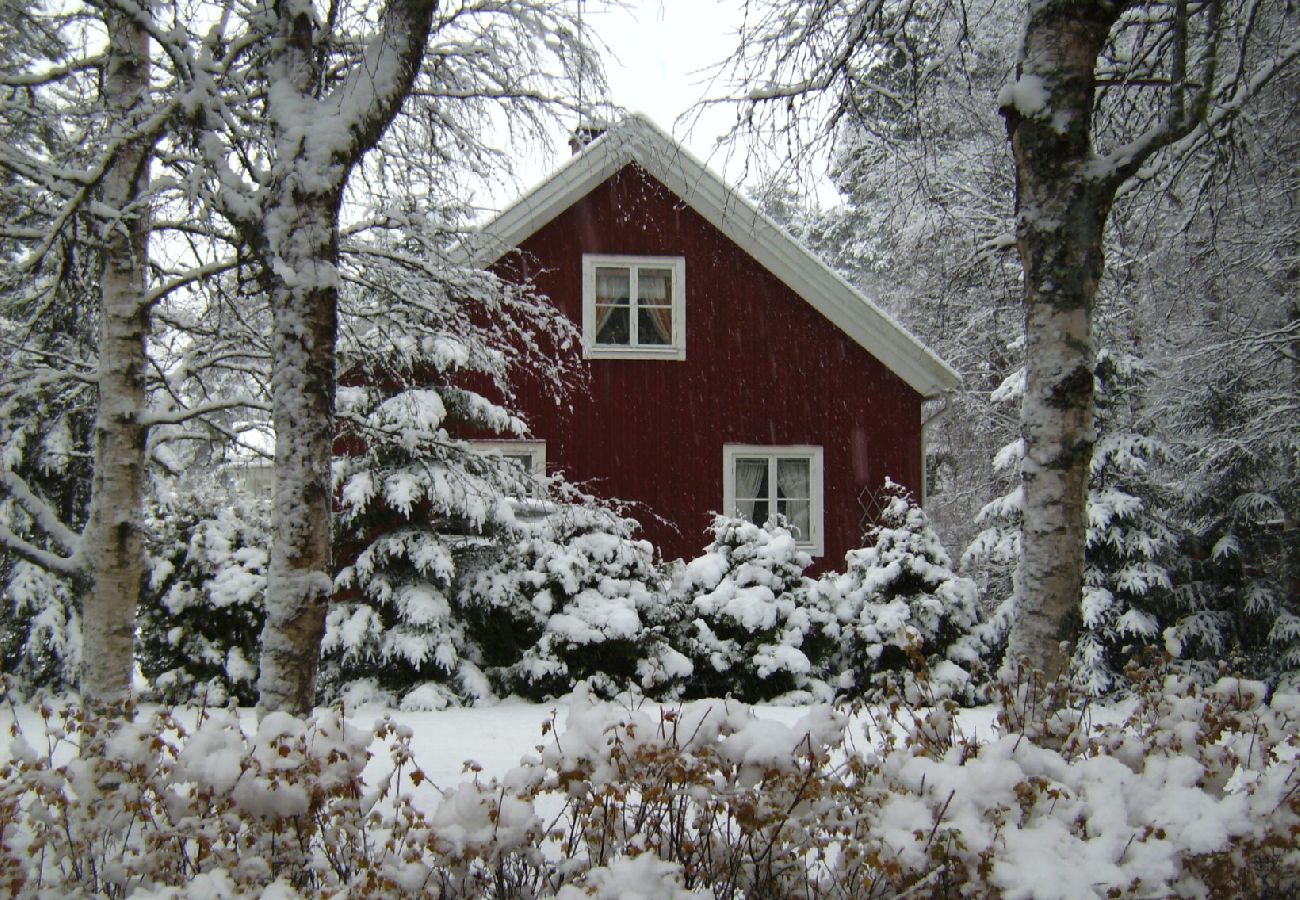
<point>531,455</point>
<point>759,482</point>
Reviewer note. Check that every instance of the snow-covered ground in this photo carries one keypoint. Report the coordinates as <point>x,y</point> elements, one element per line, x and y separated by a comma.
<point>494,738</point>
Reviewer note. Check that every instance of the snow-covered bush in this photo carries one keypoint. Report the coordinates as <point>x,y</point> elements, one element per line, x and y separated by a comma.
<point>199,624</point>
<point>208,812</point>
<point>734,805</point>
<point>754,629</point>
<point>1192,794</point>
<point>899,605</point>
<point>574,598</point>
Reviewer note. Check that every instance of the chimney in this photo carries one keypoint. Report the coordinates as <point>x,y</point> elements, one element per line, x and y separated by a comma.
<point>586,132</point>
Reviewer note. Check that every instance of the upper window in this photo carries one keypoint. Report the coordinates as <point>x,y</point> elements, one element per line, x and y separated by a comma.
<point>760,482</point>
<point>634,307</point>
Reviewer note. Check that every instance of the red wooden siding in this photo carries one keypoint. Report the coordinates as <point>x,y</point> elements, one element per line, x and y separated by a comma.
<point>761,367</point>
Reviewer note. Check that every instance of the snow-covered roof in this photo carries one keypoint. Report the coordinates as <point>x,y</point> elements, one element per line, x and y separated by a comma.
<point>636,139</point>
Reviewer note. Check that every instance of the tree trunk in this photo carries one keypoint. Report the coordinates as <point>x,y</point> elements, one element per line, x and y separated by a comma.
<point>1061,214</point>
<point>302,386</point>
<point>317,142</point>
<point>114,541</point>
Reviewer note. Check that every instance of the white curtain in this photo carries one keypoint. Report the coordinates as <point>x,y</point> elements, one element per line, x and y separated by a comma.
<point>793,480</point>
<point>794,493</point>
<point>613,288</point>
<point>751,489</point>
<point>655,289</point>
<point>654,286</point>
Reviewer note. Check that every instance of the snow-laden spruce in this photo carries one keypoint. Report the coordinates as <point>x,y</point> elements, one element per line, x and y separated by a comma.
<point>417,500</point>
<point>1235,449</point>
<point>754,630</point>
<point>46,417</point>
<point>44,442</point>
<point>900,607</point>
<point>1127,561</point>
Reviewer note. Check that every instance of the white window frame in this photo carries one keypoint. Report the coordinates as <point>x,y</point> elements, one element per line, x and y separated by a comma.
<point>814,543</point>
<point>674,351</point>
<point>536,451</point>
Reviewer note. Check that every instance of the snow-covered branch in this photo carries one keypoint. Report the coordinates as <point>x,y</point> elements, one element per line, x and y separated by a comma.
<point>1221,114</point>
<point>193,276</point>
<point>1184,115</point>
<point>42,514</point>
<point>62,367</point>
<point>148,130</point>
<point>199,410</point>
<point>50,75</point>
<point>51,562</point>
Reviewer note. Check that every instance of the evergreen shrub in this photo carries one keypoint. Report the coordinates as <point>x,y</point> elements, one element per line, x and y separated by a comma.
<point>199,623</point>
<point>754,628</point>
<point>574,598</point>
<point>900,607</point>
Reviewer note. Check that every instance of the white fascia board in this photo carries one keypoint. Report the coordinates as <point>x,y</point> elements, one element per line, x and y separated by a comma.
<point>576,178</point>
<point>636,139</point>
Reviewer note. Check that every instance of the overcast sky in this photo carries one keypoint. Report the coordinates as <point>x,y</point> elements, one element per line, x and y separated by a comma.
<point>661,58</point>
<point>661,53</point>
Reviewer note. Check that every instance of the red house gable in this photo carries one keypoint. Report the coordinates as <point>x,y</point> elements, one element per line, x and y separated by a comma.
<point>715,383</point>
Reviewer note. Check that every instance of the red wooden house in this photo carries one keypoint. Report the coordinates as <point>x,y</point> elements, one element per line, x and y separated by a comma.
<point>730,370</point>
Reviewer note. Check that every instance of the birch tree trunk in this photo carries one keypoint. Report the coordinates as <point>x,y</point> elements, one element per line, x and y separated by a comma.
<point>302,387</point>
<point>1064,193</point>
<point>317,141</point>
<point>113,538</point>
<point>1061,214</point>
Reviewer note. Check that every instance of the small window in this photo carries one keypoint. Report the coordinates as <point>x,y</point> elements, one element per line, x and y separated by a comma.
<point>759,482</point>
<point>531,455</point>
<point>634,307</point>
<point>255,479</point>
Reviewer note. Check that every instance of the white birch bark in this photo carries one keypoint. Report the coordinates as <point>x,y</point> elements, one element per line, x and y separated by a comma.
<point>317,141</point>
<point>1064,192</point>
<point>113,540</point>
<point>1060,216</point>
